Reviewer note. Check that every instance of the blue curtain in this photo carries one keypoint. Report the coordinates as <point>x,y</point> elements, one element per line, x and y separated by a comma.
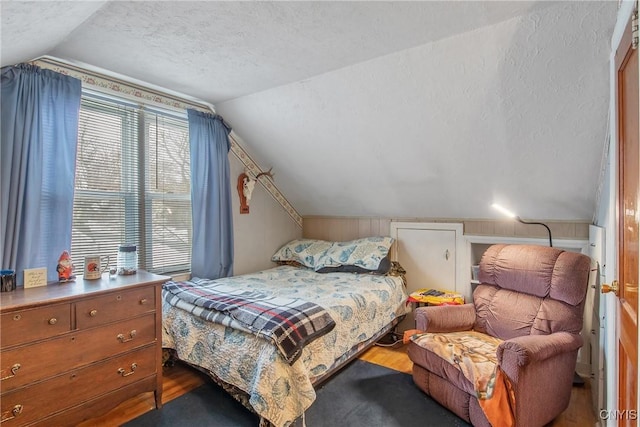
<point>39,133</point>
<point>212,219</point>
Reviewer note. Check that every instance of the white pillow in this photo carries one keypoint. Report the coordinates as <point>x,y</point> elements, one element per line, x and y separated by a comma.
<point>303,251</point>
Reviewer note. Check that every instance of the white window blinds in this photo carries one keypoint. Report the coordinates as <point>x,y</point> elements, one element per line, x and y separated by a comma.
<point>132,185</point>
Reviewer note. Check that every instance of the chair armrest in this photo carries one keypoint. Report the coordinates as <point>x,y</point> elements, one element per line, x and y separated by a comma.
<point>445,318</point>
<point>521,351</point>
<point>539,370</point>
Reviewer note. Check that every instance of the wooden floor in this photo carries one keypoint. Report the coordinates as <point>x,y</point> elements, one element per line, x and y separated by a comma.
<point>181,379</point>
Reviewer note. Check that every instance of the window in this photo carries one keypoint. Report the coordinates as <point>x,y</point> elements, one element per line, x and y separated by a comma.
<point>132,184</point>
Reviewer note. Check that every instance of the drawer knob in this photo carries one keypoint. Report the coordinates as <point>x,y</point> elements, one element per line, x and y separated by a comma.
<point>121,337</point>
<point>17,410</point>
<point>14,372</point>
<point>17,317</point>
<point>53,321</point>
<point>143,301</point>
<point>124,373</point>
<point>93,313</point>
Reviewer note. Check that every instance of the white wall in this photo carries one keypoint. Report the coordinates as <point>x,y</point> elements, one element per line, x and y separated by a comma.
<point>260,233</point>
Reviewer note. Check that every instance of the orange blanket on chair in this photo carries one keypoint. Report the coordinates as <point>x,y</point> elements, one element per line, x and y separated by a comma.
<point>474,354</point>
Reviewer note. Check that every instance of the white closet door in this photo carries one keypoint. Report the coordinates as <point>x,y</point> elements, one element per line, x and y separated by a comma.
<point>428,252</point>
<point>429,258</point>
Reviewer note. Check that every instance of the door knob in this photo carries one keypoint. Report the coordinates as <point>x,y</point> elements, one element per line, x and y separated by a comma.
<point>613,287</point>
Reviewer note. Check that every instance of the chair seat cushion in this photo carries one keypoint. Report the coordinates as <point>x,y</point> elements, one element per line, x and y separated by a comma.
<point>471,353</point>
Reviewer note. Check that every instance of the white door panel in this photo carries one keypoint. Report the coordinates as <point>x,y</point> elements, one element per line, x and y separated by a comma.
<point>428,256</point>
<point>428,253</point>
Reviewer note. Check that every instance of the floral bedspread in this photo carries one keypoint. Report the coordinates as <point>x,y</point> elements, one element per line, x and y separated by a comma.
<point>360,304</point>
<point>290,323</point>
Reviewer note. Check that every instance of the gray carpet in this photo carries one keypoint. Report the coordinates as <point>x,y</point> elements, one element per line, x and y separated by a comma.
<point>362,394</point>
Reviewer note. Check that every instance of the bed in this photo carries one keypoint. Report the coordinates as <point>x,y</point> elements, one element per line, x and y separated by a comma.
<point>278,385</point>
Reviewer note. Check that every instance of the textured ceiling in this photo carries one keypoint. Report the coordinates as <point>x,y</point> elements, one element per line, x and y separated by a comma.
<point>218,50</point>
<point>403,109</point>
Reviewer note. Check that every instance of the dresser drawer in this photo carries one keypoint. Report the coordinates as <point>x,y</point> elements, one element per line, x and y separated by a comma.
<point>41,399</point>
<point>25,364</point>
<point>85,413</point>
<point>23,326</point>
<point>115,306</point>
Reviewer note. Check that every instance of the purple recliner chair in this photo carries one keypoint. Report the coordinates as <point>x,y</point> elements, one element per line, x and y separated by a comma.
<point>528,307</point>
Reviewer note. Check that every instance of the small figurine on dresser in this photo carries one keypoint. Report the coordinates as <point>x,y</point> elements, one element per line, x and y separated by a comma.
<point>65,268</point>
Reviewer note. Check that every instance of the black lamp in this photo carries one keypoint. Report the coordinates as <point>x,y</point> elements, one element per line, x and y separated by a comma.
<point>517,218</point>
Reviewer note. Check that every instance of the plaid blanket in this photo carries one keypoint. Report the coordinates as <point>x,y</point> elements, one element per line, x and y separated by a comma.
<point>291,323</point>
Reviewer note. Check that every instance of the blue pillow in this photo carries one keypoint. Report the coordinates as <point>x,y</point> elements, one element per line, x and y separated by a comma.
<point>383,268</point>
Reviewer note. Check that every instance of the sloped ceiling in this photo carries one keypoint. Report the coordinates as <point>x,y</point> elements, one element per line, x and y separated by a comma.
<point>394,109</point>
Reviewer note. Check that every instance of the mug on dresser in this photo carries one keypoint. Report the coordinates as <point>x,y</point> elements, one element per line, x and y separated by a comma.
<point>94,266</point>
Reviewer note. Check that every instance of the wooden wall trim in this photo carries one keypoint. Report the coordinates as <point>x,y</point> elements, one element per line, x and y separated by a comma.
<point>349,228</point>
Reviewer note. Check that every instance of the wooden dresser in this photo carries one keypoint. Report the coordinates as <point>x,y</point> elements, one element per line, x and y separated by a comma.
<point>72,351</point>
